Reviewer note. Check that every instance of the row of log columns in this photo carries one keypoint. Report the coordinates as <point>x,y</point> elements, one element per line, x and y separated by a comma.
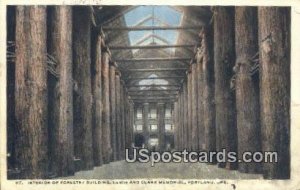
<point>31,92</point>
<point>72,111</point>
<point>106,143</point>
<point>247,102</point>
<point>274,55</point>
<point>61,150</point>
<point>112,98</point>
<point>224,56</point>
<point>161,126</point>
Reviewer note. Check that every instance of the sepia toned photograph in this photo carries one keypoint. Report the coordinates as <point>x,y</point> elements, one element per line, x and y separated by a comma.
<point>141,93</point>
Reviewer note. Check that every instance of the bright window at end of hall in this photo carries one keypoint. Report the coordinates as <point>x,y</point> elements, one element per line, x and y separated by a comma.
<point>168,113</point>
<point>153,127</point>
<point>168,127</point>
<point>152,114</point>
<point>139,114</point>
<point>153,16</point>
<point>153,141</point>
<point>138,127</point>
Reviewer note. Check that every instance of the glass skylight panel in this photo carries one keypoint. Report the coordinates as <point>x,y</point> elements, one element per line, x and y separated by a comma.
<point>153,16</point>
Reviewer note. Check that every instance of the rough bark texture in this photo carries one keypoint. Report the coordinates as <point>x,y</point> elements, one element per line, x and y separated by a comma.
<point>274,45</point>
<point>118,115</point>
<point>185,115</point>
<point>247,102</point>
<point>112,98</point>
<point>61,92</point>
<point>106,133</point>
<point>194,91</point>
<point>200,102</point>
<point>123,99</point>
<point>97,100</point>
<point>224,60</point>
<point>83,96</point>
<point>208,89</point>
<point>31,92</point>
<point>190,111</point>
<point>161,126</point>
<point>176,126</point>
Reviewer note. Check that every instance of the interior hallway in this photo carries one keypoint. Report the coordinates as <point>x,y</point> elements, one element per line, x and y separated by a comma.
<point>86,82</point>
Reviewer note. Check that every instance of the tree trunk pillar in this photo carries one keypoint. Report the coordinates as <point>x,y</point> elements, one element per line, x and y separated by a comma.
<point>247,101</point>
<point>112,98</point>
<point>61,95</point>
<point>161,126</point>
<point>224,57</point>
<point>146,123</point>
<point>274,52</point>
<point>106,131</point>
<point>31,92</point>
<point>118,115</point>
<point>97,102</point>
<point>196,134</point>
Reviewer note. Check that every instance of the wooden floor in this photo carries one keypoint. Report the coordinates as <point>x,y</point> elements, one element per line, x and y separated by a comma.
<point>124,170</point>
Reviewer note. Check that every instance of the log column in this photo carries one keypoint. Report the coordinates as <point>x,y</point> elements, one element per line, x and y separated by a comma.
<point>200,89</point>
<point>61,92</point>
<point>176,126</point>
<point>185,115</point>
<point>247,101</point>
<point>31,92</point>
<point>207,68</point>
<point>112,98</point>
<point>224,60</point>
<point>97,101</point>
<point>146,123</point>
<point>123,105</point>
<point>274,52</point>
<point>118,115</point>
<point>106,133</point>
<point>190,111</point>
<point>194,106</point>
<point>182,129</point>
<point>161,126</point>
<point>131,115</point>
<point>82,77</point>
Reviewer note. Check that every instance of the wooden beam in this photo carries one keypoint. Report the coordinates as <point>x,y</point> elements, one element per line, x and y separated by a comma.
<point>154,59</point>
<point>152,46</point>
<point>156,70</point>
<point>138,28</point>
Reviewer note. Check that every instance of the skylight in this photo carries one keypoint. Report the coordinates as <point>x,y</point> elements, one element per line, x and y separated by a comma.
<point>152,81</point>
<point>153,16</point>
